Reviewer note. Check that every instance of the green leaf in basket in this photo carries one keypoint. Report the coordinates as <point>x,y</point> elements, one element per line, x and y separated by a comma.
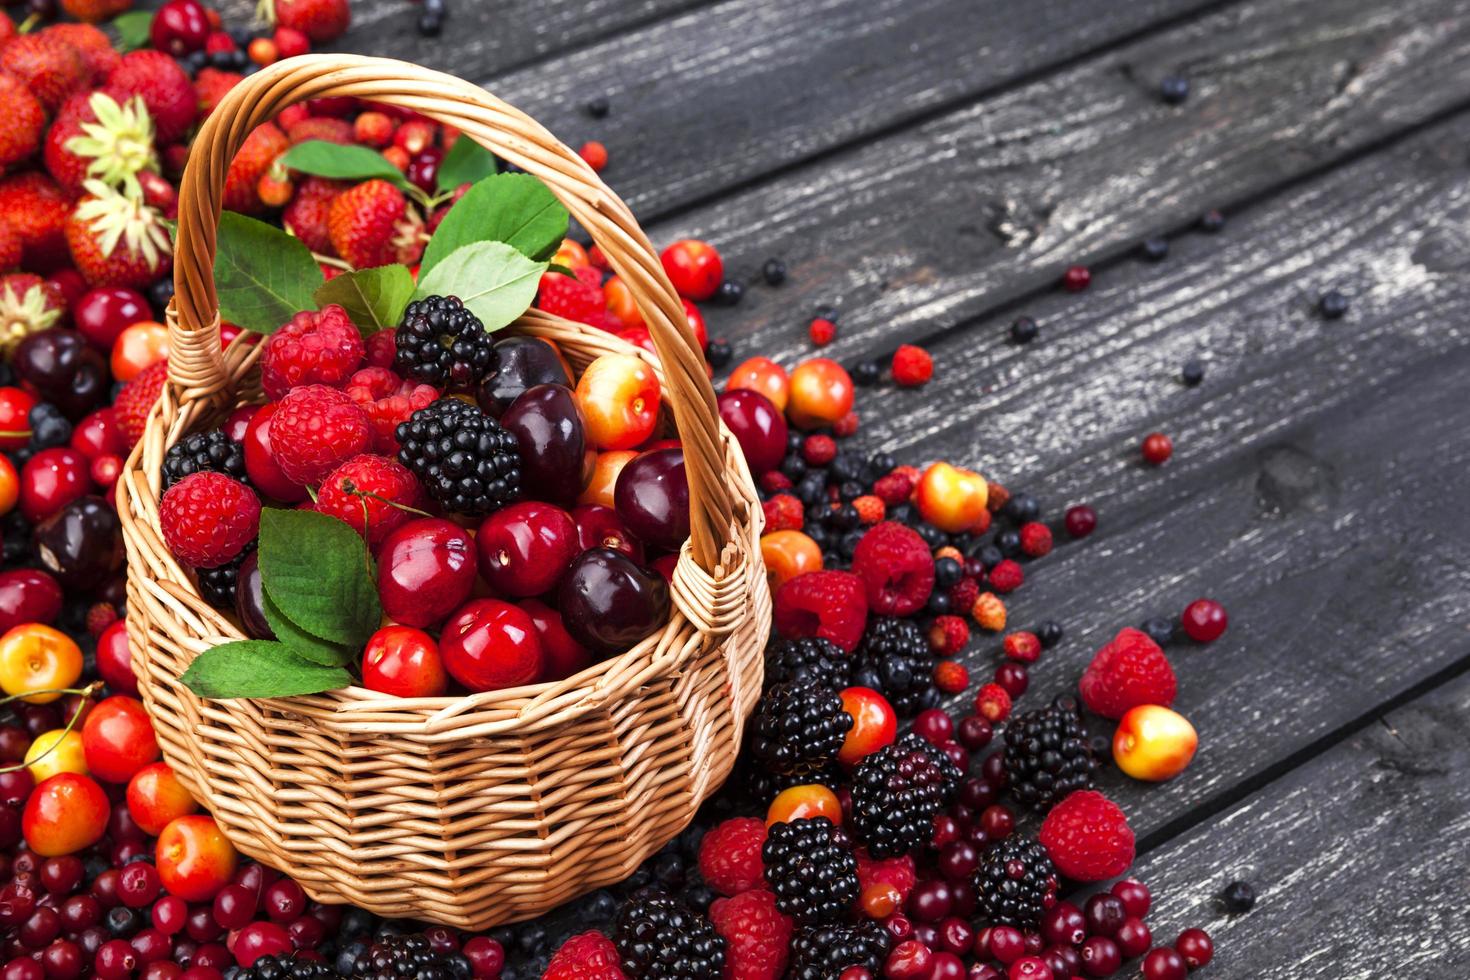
<point>516,209</point>
<point>263,276</point>
<point>374,298</point>
<point>259,669</point>
<point>323,159</point>
<point>466,163</point>
<point>494,281</point>
<point>318,573</point>
<point>313,648</point>
<point>132,29</point>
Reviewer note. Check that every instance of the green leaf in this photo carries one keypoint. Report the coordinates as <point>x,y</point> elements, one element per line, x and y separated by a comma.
<point>467,162</point>
<point>132,29</point>
<point>259,669</point>
<point>263,276</point>
<point>339,162</point>
<point>494,281</point>
<point>313,648</point>
<point>317,571</point>
<point>373,298</point>
<point>513,208</point>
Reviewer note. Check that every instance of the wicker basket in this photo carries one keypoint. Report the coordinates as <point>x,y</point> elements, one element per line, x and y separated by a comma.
<point>477,810</point>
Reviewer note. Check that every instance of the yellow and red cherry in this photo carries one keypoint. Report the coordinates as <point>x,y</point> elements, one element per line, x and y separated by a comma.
<point>571,254</point>
<point>804,802</point>
<point>118,739</point>
<point>101,315</point>
<point>694,267</point>
<point>951,498</point>
<point>619,397</point>
<point>525,548</point>
<point>194,857</point>
<point>652,498</point>
<point>115,659</point>
<point>608,602</point>
<point>763,375</point>
<point>601,527</point>
<point>787,554</point>
<point>37,661</point>
<point>758,425</point>
<point>98,435</point>
<point>621,305</point>
<point>65,814</point>
<point>426,570</point>
<point>490,644</point>
<point>604,479</point>
<point>54,752</point>
<point>28,595</point>
<point>156,797</point>
<point>405,662</point>
<point>821,393</point>
<point>51,479</point>
<point>9,485</point>
<point>260,463</point>
<point>137,348</point>
<point>1154,743</point>
<point>874,724</point>
<point>564,655</point>
<point>556,459</point>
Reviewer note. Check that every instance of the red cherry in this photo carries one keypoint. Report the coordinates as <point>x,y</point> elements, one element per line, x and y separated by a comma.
<point>102,314</point>
<point>238,422</point>
<point>261,465</point>
<point>115,659</point>
<point>757,425</point>
<point>600,527</point>
<point>694,267</point>
<point>1196,947</point>
<point>696,323</point>
<point>50,480</point>
<point>490,644</point>
<point>525,548</point>
<point>261,939</point>
<point>28,595</point>
<point>118,739</point>
<point>1204,620</point>
<point>564,655</point>
<point>404,662</point>
<point>98,435</point>
<point>15,417</point>
<point>180,27</point>
<point>426,569</point>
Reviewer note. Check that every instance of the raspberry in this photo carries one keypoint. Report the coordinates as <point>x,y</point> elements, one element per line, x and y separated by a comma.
<point>818,450</point>
<point>784,513</point>
<point>1035,539</point>
<point>1007,577</point>
<point>316,429</point>
<point>382,348</point>
<point>314,347</point>
<point>822,331</point>
<point>570,297</point>
<point>997,496</point>
<point>951,676</point>
<point>912,366</point>
<point>896,871</point>
<point>100,615</point>
<point>845,426</point>
<point>208,518</point>
<point>730,855</point>
<point>993,703</point>
<point>757,936</point>
<point>389,402</point>
<point>870,509</point>
<point>1087,837</point>
<point>896,568</point>
<point>1023,647</point>
<point>893,489</point>
<point>136,400</point>
<point>590,956</point>
<point>372,494</point>
<point>962,594</point>
<point>827,604</point>
<point>989,611</point>
<point>774,481</point>
<point>1129,671</point>
<point>948,635</point>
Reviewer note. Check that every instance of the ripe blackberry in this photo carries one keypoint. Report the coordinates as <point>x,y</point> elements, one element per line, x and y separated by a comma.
<point>763,785</point>
<point>798,728</point>
<point>1015,883</point>
<point>811,870</point>
<point>823,952</point>
<point>395,957</point>
<point>276,968</point>
<point>659,939</point>
<point>1047,756</point>
<point>466,461</point>
<point>212,452</point>
<point>809,659</point>
<point>441,343</point>
<point>896,793</point>
<point>894,658</point>
<point>217,585</point>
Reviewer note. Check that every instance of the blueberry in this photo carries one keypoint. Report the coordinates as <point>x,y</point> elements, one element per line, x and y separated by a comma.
<point>794,441</point>
<point>1049,633</point>
<point>1212,221</point>
<point>990,555</point>
<point>1022,508</point>
<point>49,428</point>
<point>1024,330</point>
<point>934,537</point>
<point>160,293</point>
<point>794,467</point>
<point>866,373</point>
<point>850,490</point>
<point>598,106</point>
<point>729,293</point>
<point>1192,373</point>
<point>1155,249</point>
<point>774,272</point>
<point>947,572</point>
<point>882,463</point>
<point>1174,89</point>
<point>1009,543</point>
<point>1333,305</point>
<point>938,604</point>
<point>718,353</point>
<point>1239,897</point>
<point>1160,630</point>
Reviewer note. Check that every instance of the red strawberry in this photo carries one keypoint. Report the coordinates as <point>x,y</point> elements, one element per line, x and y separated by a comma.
<point>28,304</point>
<point>257,154</point>
<point>1129,671</point>
<point>1087,837</point>
<point>211,84</point>
<point>93,136</point>
<point>757,936</point>
<point>25,122</point>
<point>95,11</point>
<point>590,956</point>
<point>50,67</point>
<point>320,20</point>
<point>10,247</point>
<point>7,29</point>
<point>94,47</point>
<point>372,225</point>
<point>569,297</point>
<point>116,240</point>
<point>136,400</point>
<point>306,215</point>
<point>165,88</point>
<point>337,131</point>
<point>37,209</point>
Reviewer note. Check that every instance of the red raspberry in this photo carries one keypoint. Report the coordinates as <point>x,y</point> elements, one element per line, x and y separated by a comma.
<point>136,400</point>
<point>899,872</point>
<point>388,401</point>
<point>100,615</point>
<point>951,676</point>
<point>996,496</point>
<point>1087,837</point>
<point>1007,577</point>
<point>315,347</point>
<point>208,518</point>
<point>962,594</point>
<point>912,366</point>
<point>730,855</point>
<point>896,568</point>
<point>1023,647</point>
<point>818,450</point>
<point>870,508</point>
<point>316,429</point>
<point>774,481</point>
<point>993,703</point>
<point>590,956</point>
<point>828,604</point>
<point>372,494</point>
<point>894,488</point>
<point>845,426</point>
<point>948,635</point>
<point>1129,671</point>
<point>757,936</point>
<point>382,349</point>
<point>1035,539</point>
<point>822,331</point>
<point>570,297</point>
<point>784,513</point>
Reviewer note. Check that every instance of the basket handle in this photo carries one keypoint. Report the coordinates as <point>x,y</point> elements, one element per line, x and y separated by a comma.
<point>197,368</point>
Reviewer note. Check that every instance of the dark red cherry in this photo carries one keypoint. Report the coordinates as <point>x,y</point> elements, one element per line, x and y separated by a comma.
<point>81,544</point>
<point>28,595</point>
<point>521,363</point>
<point>63,369</point>
<point>490,644</point>
<point>601,527</point>
<point>564,655</point>
<point>757,425</point>
<point>652,498</point>
<point>525,547</point>
<point>426,569</point>
<point>250,599</point>
<point>608,603</point>
<point>556,461</point>
<point>102,314</point>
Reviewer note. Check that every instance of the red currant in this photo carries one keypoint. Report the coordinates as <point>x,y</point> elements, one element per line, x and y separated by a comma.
<point>1204,620</point>
<point>1157,448</point>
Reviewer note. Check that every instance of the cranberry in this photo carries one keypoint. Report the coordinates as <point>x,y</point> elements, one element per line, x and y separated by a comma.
<point>956,935</point>
<point>261,939</point>
<point>1157,448</point>
<point>1030,968</point>
<point>1013,677</point>
<point>1133,938</point>
<point>23,968</point>
<point>994,769</point>
<point>525,548</point>
<point>41,928</point>
<point>486,956</point>
<point>1134,895</point>
<point>1204,620</point>
<point>162,970</point>
<point>984,971</point>
<point>957,861</point>
<point>13,739</point>
<point>307,932</point>
<point>556,460</point>
<point>1076,278</point>
<point>1164,963</point>
<point>898,927</point>
<point>180,27</point>
<point>152,945</point>
<point>62,960</point>
<point>80,913</point>
<point>426,570</point>
<point>1105,915</point>
<point>234,907</point>
<point>909,960</point>
<point>1064,924</point>
<point>997,822</point>
<point>757,425</point>
<point>17,902</point>
<point>652,498</point>
<point>213,956</point>
<point>115,960</point>
<point>975,733</point>
<point>977,793</point>
<point>202,926</point>
<point>139,884</point>
<point>608,603</point>
<point>170,914</point>
<point>926,934</point>
<point>934,726</point>
<point>1100,957</point>
<point>61,875</point>
<point>101,314</point>
<point>930,901</point>
<point>946,966</point>
<point>1007,944</point>
<point>1063,960</point>
<point>1196,947</point>
<point>284,900</point>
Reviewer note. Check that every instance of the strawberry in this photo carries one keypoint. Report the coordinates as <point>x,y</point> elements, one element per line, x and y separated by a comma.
<point>7,30</point>
<point>94,47</point>
<point>25,122</point>
<point>136,400</point>
<point>116,240</point>
<point>10,247</point>
<point>93,136</point>
<point>372,225</point>
<point>37,209</point>
<point>211,84</point>
<point>569,297</point>
<point>95,11</point>
<point>306,215</point>
<point>257,154</point>
<point>28,304</point>
<point>51,68</point>
<point>1129,671</point>
<point>319,20</point>
<point>337,131</point>
<point>164,87</point>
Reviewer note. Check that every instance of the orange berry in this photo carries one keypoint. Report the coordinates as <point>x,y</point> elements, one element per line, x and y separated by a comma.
<point>804,802</point>
<point>605,477</point>
<point>989,612</point>
<point>263,51</point>
<point>880,900</point>
<point>1154,743</point>
<point>594,153</point>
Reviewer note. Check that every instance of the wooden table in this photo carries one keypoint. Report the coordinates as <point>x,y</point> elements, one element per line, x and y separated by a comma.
<point>930,167</point>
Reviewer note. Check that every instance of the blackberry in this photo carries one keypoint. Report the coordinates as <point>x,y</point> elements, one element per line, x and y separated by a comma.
<point>1047,756</point>
<point>763,785</point>
<point>811,659</point>
<point>798,728</point>
<point>896,793</point>
<point>468,463</point>
<point>811,870</point>
<point>1015,883</point>
<point>659,939</point>
<point>895,658</point>
<point>276,968</point>
<point>824,952</point>
<point>412,956</point>
<point>204,452</point>
<point>217,585</point>
<point>443,344</point>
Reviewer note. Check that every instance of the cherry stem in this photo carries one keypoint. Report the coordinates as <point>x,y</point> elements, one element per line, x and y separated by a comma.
<point>71,724</point>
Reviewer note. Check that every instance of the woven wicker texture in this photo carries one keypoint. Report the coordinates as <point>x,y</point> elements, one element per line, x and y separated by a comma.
<point>484,809</point>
